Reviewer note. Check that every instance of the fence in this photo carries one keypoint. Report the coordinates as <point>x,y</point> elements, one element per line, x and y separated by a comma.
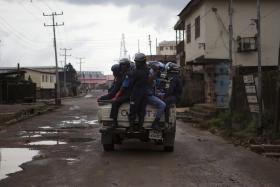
<point>17,92</point>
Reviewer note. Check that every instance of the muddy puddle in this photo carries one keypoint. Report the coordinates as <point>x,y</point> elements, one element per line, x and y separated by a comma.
<point>47,142</point>
<point>12,158</point>
<point>73,108</point>
<point>36,134</point>
<point>46,127</point>
<point>89,96</point>
<point>78,122</point>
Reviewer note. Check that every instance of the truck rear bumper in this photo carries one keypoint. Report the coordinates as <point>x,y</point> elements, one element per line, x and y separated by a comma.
<point>110,135</point>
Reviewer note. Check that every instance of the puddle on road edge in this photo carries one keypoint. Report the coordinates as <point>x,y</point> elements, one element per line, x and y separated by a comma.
<point>45,127</point>
<point>12,158</point>
<point>47,142</point>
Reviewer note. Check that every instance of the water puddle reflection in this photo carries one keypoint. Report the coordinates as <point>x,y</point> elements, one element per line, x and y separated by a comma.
<point>89,96</point>
<point>46,127</point>
<point>35,134</point>
<point>48,142</point>
<point>78,122</point>
<point>74,108</point>
<point>12,158</point>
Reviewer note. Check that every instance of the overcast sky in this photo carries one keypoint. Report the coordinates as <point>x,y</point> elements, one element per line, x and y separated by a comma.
<point>93,29</point>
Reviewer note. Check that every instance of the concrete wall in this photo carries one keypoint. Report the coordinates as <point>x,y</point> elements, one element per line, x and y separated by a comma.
<point>214,31</point>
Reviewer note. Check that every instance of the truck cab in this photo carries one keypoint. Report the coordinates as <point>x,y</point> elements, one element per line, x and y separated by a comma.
<point>112,136</point>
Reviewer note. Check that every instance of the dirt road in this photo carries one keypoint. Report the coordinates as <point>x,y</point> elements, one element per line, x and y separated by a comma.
<point>77,157</point>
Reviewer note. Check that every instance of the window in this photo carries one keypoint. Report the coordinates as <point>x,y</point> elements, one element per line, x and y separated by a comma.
<point>189,35</point>
<point>161,48</point>
<point>51,79</point>
<point>43,78</point>
<point>47,78</point>
<point>171,48</point>
<point>197,27</point>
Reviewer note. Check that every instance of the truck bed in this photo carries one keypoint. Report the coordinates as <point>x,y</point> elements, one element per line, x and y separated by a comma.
<point>105,109</point>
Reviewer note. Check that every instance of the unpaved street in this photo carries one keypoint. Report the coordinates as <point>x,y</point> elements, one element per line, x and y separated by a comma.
<point>77,157</point>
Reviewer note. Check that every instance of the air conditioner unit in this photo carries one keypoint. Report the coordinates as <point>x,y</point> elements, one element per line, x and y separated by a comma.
<point>247,44</point>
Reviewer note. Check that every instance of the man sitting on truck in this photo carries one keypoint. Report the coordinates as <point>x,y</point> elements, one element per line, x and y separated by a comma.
<point>174,86</point>
<point>118,79</point>
<point>139,82</point>
<point>152,99</point>
<point>124,92</point>
<point>174,90</point>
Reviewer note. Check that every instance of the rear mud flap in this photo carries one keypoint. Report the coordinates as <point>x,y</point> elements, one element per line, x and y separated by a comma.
<point>106,138</point>
<point>169,139</point>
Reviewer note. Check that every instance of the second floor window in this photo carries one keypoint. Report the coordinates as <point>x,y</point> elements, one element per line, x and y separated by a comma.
<point>189,34</point>
<point>51,79</point>
<point>197,27</point>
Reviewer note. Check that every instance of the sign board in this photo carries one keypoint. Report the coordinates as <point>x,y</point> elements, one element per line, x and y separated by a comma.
<point>249,79</point>
<point>251,92</point>
<point>252,99</point>
<point>250,89</point>
<point>254,108</point>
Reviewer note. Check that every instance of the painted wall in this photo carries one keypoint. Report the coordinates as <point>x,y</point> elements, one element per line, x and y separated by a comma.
<point>38,79</point>
<point>214,31</point>
<point>193,49</point>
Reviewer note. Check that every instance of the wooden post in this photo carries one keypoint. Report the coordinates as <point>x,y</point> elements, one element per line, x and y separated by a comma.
<point>277,99</point>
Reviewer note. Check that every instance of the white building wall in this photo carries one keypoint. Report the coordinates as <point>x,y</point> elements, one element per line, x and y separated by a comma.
<point>194,49</point>
<point>38,79</point>
<point>217,35</point>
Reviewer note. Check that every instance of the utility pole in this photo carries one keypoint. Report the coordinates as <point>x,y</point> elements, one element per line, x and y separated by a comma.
<point>54,24</point>
<point>277,100</point>
<point>65,62</point>
<point>230,70</point>
<point>259,64</point>
<point>156,44</point>
<point>150,44</point>
<point>230,31</point>
<point>80,63</point>
<point>138,46</point>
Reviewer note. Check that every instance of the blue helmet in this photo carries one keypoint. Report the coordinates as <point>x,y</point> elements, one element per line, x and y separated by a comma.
<point>156,65</point>
<point>172,68</point>
<point>115,69</point>
<point>124,61</point>
<point>140,57</point>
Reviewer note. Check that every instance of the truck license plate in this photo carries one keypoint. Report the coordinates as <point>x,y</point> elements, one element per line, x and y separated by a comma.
<point>155,135</point>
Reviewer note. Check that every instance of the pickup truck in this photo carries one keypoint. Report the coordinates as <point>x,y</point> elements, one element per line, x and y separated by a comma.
<point>112,136</point>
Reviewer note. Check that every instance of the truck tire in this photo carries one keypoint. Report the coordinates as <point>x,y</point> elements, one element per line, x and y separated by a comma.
<point>168,148</point>
<point>108,147</point>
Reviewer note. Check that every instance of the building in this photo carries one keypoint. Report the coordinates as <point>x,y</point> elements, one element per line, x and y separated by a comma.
<point>166,48</point>
<point>43,77</point>
<point>15,89</point>
<point>92,79</point>
<point>202,38</point>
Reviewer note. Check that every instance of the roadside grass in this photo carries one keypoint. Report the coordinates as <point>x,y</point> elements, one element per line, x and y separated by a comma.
<point>235,127</point>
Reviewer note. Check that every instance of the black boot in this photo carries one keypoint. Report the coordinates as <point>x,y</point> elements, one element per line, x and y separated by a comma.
<point>141,123</point>
<point>155,124</point>
<point>114,124</point>
<point>131,125</point>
